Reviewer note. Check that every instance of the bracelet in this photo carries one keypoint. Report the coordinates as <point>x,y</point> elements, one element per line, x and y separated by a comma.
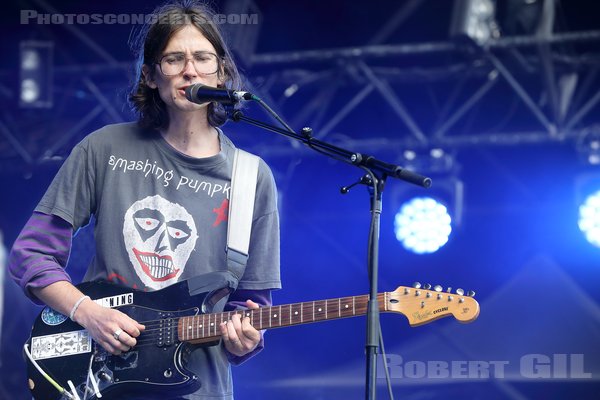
<point>76,306</point>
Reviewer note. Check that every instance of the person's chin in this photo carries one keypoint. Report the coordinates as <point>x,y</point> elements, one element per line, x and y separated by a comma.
<point>192,107</point>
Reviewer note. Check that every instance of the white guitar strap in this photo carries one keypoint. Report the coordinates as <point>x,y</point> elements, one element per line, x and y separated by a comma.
<point>241,210</point>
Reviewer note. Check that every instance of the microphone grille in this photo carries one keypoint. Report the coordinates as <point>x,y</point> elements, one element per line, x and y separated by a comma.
<point>192,90</point>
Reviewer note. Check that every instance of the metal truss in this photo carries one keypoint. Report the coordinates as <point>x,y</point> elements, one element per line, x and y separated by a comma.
<point>557,106</point>
<point>550,83</point>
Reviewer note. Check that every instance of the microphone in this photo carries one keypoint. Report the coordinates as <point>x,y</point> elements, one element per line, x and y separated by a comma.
<point>200,94</point>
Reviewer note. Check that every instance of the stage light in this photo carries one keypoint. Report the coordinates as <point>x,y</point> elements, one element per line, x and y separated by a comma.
<point>36,74</point>
<point>474,19</point>
<point>425,218</point>
<point>589,218</point>
<point>588,146</point>
<point>423,225</point>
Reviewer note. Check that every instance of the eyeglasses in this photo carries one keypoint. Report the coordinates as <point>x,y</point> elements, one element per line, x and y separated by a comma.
<point>205,63</point>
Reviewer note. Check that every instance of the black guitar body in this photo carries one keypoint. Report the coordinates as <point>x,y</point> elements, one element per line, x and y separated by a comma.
<point>157,364</point>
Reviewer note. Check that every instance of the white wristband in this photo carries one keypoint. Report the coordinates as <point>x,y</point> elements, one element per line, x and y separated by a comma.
<point>76,306</point>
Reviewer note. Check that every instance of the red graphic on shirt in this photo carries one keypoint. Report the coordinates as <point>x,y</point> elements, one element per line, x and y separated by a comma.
<point>158,268</point>
<point>221,212</point>
<point>116,277</point>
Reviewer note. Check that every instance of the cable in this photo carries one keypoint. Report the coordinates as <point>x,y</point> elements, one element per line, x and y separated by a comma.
<point>388,381</point>
<point>92,379</point>
<point>61,389</point>
<point>272,113</point>
<point>289,129</point>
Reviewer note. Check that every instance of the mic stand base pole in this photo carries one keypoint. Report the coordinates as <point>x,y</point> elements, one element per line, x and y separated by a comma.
<point>372,340</point>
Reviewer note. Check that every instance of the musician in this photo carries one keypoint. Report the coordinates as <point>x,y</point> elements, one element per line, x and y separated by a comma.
<point>158,189</point>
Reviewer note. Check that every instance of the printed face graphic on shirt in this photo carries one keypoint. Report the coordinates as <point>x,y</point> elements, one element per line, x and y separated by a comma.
<point>159,237</point>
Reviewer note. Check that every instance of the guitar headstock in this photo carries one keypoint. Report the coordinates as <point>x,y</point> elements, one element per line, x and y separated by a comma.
<point>421,305</point>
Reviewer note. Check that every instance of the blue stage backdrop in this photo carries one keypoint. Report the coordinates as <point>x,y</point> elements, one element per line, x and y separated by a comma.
<point>504,116</point>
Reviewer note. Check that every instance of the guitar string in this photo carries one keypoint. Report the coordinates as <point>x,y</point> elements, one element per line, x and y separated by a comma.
<point>153,327</point>
<point>151,336</point>
<point>284,308</point>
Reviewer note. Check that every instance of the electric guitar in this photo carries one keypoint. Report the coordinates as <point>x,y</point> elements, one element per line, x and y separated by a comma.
<point>64,362</point>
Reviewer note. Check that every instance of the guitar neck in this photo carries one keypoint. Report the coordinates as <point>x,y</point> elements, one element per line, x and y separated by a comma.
<point>205,327</point>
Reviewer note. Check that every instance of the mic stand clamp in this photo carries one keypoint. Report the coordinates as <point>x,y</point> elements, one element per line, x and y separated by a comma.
<point>307,132</point>
<point>364,180</point>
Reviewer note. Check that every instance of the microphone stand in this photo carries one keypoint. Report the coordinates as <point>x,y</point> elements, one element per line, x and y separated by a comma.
<point>377,172</point>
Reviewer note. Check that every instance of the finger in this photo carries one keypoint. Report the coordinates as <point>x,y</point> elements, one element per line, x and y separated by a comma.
<point>252,305</point>
<point>223,329</point>
<point>236,321</point>
<point>249,331</point>
<point>132,327</point>
<point>117,343</point>
<point>107,345</point>
<point>232,335</point>
<point>126,339</point>
<point>140,327</point>
<point>122,347</point>
<point>130,333</point>
<point>229,344</point>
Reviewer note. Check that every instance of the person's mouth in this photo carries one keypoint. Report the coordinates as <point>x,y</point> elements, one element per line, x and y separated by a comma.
<point>181,90</point>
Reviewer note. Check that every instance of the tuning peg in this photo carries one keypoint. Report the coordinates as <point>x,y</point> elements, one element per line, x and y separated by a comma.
<point>449,290</point>
<point>417,285</point>
<point>438,288</point>
<point>471,293</point>
<point>427,286</point>
<point>460,292</point>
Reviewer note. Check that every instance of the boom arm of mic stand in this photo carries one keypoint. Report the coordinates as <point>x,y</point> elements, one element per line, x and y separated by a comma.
<point>349,157</point>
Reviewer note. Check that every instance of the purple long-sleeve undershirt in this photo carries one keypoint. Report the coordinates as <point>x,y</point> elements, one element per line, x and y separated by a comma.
<point>40,254</point>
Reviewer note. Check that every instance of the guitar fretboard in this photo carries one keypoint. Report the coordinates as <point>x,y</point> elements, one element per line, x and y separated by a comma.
<point>206,326</point>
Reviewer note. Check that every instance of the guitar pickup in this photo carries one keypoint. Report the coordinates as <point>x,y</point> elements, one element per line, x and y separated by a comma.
<point>166,330</point>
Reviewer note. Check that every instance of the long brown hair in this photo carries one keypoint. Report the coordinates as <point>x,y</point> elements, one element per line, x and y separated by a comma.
<point>149,43</point>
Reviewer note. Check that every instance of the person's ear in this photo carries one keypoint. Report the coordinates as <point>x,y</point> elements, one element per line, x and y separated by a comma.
<point>147,73</point>
<point>221,77</point>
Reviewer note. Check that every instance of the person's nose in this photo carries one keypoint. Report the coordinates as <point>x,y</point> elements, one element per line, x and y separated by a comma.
<point>189,70</point>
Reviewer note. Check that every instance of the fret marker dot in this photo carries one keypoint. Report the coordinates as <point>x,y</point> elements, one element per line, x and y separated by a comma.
<point>247,315</point>
<point>200,326</point>
<point>190,327</point>
<point>320,309</point>
<point>296,313</point>
<point>346,306</point>
<point>212,324</point>
<point>274,315</point>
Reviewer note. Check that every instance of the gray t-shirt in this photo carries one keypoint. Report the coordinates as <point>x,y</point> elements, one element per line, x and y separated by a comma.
<point>161,217</point>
